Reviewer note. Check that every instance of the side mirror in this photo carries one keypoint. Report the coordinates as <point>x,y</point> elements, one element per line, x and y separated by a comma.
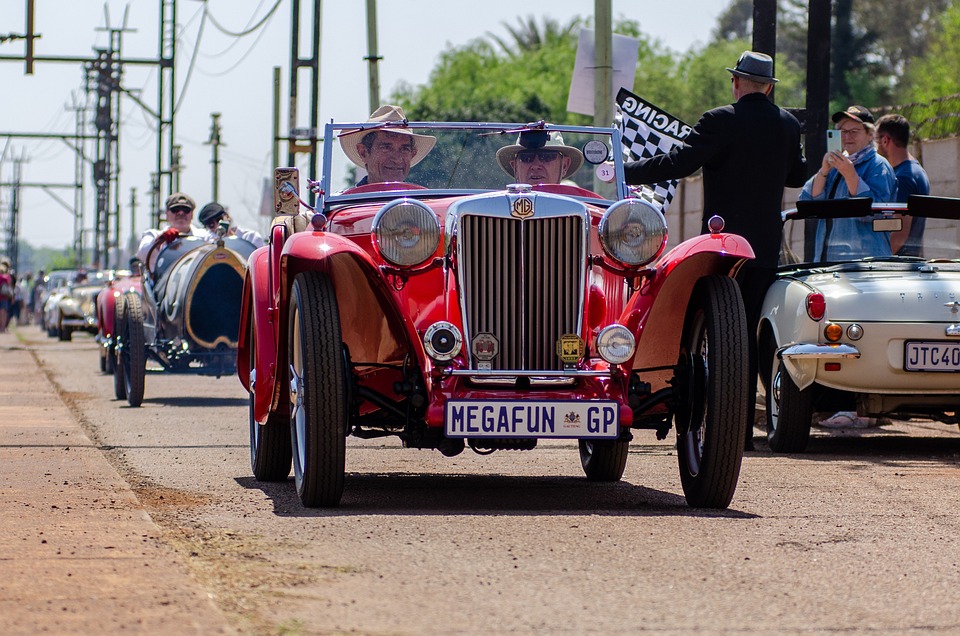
<point>286,191</point>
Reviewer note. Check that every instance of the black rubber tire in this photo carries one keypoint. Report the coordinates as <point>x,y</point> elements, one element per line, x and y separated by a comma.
<point>603,460</point>
<point>102,351</point>
<point>710,452</point>
<point>134,352</point>
<point>319,408</point>
<point>270,449</point>
<point>120,336</point>
<point>789,412</point>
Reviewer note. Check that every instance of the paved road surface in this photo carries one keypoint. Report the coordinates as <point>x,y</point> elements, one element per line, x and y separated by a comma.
<point>858,536</point>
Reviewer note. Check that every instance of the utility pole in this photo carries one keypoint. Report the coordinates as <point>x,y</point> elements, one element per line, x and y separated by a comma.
<point>175,168</point>
<point>275,162</point>
<point>303,140</point>
<point>166,100</point>
<point>132,243</point>
<point>603,60</point>
<point>372,57</point>
<point>215,144</point>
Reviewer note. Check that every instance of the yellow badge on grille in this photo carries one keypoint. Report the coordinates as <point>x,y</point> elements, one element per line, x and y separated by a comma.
<point>522,208</point>
<point>570,348</point>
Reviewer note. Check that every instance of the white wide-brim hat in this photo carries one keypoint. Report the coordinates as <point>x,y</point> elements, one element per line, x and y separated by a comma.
<point>349,141</point>
<point>539,140</point>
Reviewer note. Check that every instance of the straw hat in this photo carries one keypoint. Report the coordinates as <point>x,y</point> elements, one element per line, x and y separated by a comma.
<point>537,140</point>
<point>350,140</point>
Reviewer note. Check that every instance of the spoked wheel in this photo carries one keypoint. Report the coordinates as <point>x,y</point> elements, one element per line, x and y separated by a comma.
<point>789,412</point>
<point>120,342</point>
<point>318,391</point>
<point>603,460</point>
<point>269,442</point>
<point>710,437</point>
<point>134,356</point>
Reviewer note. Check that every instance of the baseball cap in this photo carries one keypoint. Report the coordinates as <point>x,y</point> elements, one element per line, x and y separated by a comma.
<point>180,200</point>
<point>858,113</point>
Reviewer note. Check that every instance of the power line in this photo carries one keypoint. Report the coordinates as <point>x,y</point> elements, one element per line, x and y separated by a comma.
<point>248,31</point>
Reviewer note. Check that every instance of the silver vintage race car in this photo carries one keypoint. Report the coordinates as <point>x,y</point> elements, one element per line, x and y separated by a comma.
<point>863,331</point>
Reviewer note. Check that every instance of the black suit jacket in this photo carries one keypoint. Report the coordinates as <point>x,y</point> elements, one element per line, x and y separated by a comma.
<point>748,151</point>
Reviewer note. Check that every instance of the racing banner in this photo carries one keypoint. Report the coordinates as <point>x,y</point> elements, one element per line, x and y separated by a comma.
<point>648,130</point>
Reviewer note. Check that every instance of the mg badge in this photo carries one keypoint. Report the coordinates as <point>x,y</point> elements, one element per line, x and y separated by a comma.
<point>953,330</point>
<point>485,347</point>
<point>522,208</point>
<point>570,348</point>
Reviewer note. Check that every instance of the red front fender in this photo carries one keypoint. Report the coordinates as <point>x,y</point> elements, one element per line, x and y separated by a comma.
<point>257,320</point>
<point>655,313</point>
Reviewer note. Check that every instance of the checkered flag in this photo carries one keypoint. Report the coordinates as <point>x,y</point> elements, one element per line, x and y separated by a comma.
<point>647,130</point>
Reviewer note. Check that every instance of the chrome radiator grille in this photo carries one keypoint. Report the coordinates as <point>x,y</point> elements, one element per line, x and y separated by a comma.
<point>523,283</point>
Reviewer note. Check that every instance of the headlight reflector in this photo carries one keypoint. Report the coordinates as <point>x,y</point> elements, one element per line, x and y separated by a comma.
<point>615,344</point>
<point>406,232</point>
<point>633,232</point>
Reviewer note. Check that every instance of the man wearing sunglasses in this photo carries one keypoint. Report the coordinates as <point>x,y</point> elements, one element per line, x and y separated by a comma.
<point>539,157</point>
<point>179,209</point>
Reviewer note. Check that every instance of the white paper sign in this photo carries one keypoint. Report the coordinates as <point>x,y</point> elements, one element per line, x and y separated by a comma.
<point>625,51</point>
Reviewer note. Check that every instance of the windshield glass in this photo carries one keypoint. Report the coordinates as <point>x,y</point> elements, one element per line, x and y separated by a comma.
<point>469,157</point>
<point>884,235</point>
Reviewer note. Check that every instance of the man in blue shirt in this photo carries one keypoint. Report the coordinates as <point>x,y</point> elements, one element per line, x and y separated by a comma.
<point>893,136</point>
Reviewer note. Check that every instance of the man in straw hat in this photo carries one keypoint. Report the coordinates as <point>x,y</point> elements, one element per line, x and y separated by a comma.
<point>539,157</point>
<point>386,153</point>
<point>749,151</point>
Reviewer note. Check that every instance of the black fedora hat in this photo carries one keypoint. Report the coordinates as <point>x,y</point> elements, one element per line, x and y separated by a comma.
<point>755,66</point>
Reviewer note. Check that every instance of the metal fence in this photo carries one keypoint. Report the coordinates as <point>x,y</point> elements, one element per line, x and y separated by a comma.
<point>935,119</point>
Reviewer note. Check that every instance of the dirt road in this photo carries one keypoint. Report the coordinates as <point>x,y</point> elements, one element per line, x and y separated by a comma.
<point>860,535</point>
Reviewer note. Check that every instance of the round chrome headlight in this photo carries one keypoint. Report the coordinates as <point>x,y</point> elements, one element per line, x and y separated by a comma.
<point>616,344</point>
<point>406,232</point>
<point>633,232</point>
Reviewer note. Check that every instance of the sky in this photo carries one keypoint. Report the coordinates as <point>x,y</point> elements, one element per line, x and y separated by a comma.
<point>233,76</point>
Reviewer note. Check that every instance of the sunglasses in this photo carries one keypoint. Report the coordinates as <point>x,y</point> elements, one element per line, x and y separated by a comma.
<point>214,223</point>
<point>545,156</point>
<point>181,211</point>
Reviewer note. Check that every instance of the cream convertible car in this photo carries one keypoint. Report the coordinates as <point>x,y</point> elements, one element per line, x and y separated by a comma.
<point>879,335</point>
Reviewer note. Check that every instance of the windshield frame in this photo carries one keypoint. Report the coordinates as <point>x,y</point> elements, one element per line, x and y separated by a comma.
<point>333,130</point>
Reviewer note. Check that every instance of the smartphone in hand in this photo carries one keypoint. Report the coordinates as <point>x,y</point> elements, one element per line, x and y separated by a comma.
<point>833,141</point>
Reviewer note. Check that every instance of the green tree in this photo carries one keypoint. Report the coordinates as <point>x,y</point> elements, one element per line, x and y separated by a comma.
<point>935,75</point>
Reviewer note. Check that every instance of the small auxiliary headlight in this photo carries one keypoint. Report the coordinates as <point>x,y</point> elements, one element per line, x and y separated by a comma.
<point>442,341</point>
<point>616,344</point>
<point>854,332</point>
<point>633,232</point>
<point>406,232</point>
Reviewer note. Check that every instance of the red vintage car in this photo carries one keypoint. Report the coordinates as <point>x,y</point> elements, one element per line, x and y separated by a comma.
<point>459,309</point>
<point>121,281</point>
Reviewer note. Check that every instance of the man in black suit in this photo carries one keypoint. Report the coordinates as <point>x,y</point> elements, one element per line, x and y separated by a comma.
<point>749,151</point>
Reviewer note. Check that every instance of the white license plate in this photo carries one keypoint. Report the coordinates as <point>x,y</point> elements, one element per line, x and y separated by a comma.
<point>931,356</point>
<point>523,418</point>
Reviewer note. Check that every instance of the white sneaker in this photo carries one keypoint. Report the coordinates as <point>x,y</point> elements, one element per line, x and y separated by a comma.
<point>844,419</point>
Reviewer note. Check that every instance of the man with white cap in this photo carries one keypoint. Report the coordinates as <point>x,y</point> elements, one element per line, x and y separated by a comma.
<point>387,152</point>
<point>539,157</point>
<point>749,151</point>
<point>179,209</point>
